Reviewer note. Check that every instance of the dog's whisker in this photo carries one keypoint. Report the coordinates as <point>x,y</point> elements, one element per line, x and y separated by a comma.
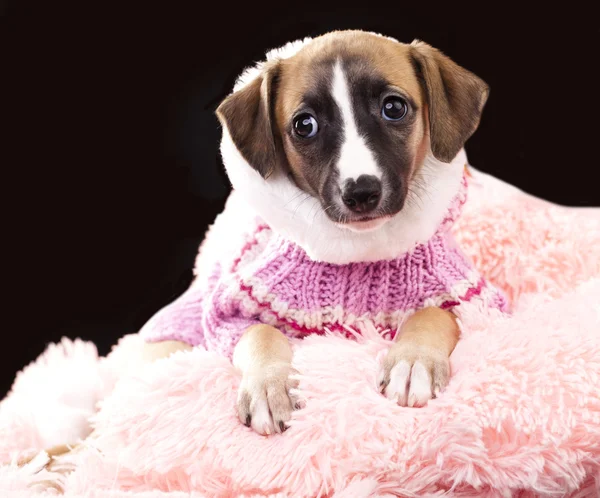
<point>414,198</point>
<point>294,198</point>
<point>295,212</point>
<point>315,205</point>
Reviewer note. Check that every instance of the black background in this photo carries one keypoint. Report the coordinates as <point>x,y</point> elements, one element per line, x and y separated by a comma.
<point>110,161</point>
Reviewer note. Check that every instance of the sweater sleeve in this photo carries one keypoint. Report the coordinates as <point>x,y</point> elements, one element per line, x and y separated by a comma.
<point>198,319</point>
<point>180,320</point>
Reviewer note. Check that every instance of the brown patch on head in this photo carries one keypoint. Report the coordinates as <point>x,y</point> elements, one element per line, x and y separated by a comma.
<point>389,58</point>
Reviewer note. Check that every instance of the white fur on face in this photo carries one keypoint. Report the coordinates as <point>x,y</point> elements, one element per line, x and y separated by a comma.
<point>356,158</point>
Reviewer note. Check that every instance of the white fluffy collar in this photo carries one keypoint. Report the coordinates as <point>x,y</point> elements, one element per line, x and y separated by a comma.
<point>300,218</point>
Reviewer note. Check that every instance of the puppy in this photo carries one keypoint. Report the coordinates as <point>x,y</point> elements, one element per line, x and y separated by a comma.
<point>345,153</point>
<point>371,131</point>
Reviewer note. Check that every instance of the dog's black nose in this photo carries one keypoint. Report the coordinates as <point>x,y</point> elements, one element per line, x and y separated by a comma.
<point>362,195</point>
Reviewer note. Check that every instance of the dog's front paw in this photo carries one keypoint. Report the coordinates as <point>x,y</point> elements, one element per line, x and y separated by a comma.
<point>264,400</point>
<point>412,374</point>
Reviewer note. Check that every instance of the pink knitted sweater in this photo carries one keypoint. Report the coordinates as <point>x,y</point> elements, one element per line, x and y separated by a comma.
<point>263,277</point>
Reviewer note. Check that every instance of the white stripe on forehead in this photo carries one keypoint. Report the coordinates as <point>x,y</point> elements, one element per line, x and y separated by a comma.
<point>356,158</point>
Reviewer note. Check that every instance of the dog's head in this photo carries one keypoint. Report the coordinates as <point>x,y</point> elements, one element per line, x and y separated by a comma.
<point>351,118</point>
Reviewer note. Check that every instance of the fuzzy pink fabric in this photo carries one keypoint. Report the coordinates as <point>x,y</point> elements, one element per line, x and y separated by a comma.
<point>520,417</point>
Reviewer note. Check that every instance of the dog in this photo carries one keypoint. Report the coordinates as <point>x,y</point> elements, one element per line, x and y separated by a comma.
<point>346,157</point>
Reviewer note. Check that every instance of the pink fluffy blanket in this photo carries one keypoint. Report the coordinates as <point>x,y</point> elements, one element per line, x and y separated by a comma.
<point>520,417</point>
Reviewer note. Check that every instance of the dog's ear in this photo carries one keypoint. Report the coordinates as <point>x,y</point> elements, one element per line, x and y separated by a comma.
<point>455,98</point>
<point>249,117</point>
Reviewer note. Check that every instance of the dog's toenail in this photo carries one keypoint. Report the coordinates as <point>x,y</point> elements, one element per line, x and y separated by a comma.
<point>282,426</point>
<point>248,420</point>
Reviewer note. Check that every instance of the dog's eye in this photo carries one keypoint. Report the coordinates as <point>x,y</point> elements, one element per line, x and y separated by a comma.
<point>394,108</point>
<point>306,126</point>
